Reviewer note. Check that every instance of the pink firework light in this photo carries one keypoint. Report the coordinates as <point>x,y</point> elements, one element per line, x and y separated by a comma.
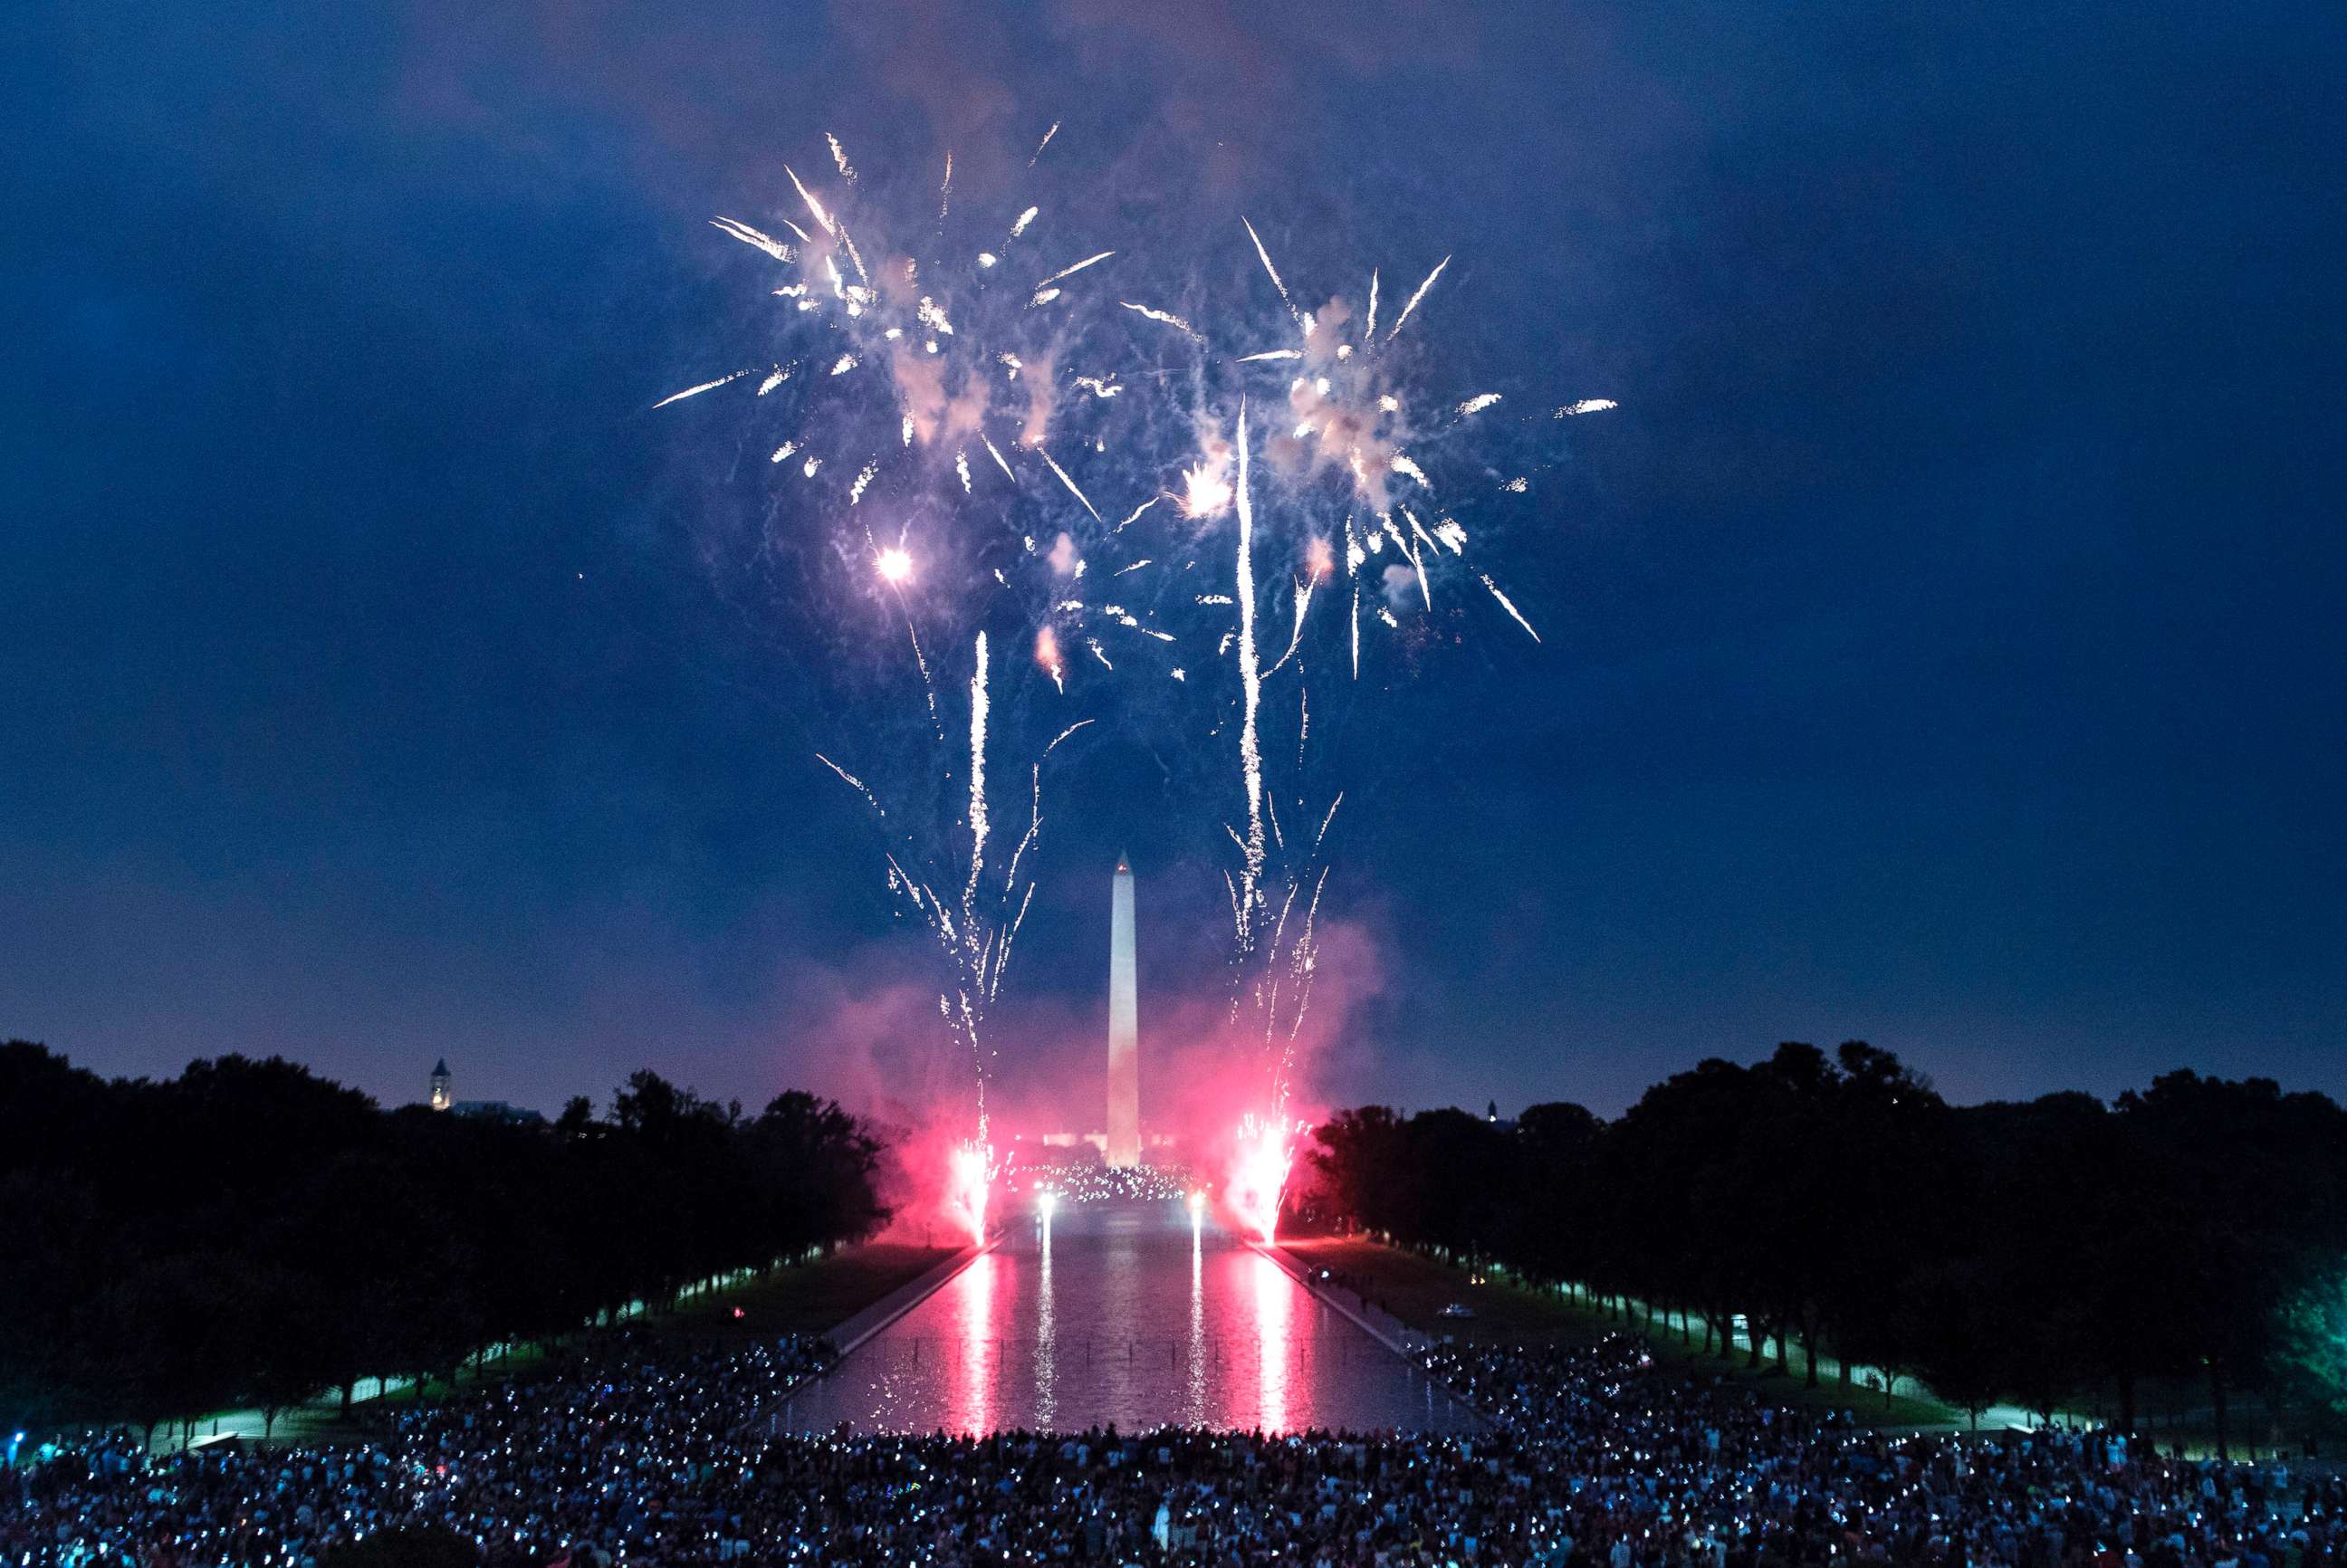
<point>969,1186</point>
<point>1259,1170</point>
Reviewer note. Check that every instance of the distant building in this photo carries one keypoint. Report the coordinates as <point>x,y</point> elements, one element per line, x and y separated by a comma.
<point>1121,1146</point>
<point>443,1096</point>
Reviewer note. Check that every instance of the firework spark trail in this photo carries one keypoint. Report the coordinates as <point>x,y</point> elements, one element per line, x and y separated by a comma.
<point>1508,605</point>
<point>1250,686</point>
<point>697,391</point>
<point>1044,143</point>
<point>1586,406</point>
<point>1267,267</point>
<point>978,710</point>
<point>749,236</point>
<point>853,783</point>
<point>822,218</point>
<point>1136,518</point>
<point>1080,266</point>
<point>1071,484</point>
<point>1416,297</point>
<point>1166,317</point>
<point>839,156</point>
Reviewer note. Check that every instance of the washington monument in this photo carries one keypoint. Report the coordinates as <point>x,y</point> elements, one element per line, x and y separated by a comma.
<point>1123,1144</point>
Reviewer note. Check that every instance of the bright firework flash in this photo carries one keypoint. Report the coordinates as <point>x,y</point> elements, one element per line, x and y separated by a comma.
<point>1257,1182</point>
<point>970,1175</point>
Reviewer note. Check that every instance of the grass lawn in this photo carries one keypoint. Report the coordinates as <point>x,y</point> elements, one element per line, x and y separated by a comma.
<point>805,1299</point>
<point>1416,1288</point>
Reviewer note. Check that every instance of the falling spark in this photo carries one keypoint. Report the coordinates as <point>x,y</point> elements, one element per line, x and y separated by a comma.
<point>1025,218</point>
<point>1080,266</point>
<point>1276,353</point>
<point>749,236</point>
<point>846,363</point>
<point>1508,605</point>
<point>1136,566</point>
<point>1586,406</point>
<point>1416,297</point>
<point>962,467</point>
<point>839,156</point>
<point>1136,514</point>
<point>945,192</point>
<point>998,460</point>
<point>855,491</point>
<point>1267,267</point>
<point>697,391</point>
<point>1044,143</point>
<point>1071,484</point>
<point>1403,464</point>
<point>1517,485</point>
<point>785,450</point>
<point>856,783</point>
<point>781,375</point>
<point>822,218</point>
<point>1167,317</point>
<point>1370,332</point>
<point>1477,404</point>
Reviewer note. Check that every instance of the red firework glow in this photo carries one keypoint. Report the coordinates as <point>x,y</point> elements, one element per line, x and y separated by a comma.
<point>1258,1178</point>
<point>970,1182</point>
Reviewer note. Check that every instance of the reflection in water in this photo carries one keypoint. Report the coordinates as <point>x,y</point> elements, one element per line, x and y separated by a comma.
<point>1274,1305</point>
<point>1091,1319</point>
<point>1194,1412</point>
<point>1046,1334</point>
<point>977,1310</point>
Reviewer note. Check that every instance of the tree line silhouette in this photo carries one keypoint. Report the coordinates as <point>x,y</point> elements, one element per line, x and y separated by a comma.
<point>252,1235</point>
<point>2190,1235</point>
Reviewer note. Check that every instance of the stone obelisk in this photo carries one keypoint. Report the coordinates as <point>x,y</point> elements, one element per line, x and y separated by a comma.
<point>1124,1148</point>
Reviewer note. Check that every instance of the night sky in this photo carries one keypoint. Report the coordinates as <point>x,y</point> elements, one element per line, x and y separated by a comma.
<point>1943,640</point>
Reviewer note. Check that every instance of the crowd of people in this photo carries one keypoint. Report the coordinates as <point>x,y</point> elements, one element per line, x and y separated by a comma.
<point>638,1453</point>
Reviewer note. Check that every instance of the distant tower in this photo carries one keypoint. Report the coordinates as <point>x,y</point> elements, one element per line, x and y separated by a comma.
<point>441,1098</point>
<point>1124,1148</point>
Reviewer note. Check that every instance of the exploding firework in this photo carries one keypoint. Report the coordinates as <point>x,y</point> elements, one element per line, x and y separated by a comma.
<point>1061,512</point>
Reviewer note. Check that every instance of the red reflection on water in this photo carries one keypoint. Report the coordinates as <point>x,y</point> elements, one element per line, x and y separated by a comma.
<point>975,1303</point>
<point>1274,1296</point>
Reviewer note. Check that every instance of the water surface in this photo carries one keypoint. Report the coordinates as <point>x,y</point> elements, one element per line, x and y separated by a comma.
<point>1128,1315</point>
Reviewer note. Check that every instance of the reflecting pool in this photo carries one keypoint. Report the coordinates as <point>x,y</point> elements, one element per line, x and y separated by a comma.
<point>1132,1315</point>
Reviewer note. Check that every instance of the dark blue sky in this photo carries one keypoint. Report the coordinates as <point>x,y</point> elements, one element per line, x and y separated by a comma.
<point>1943,642</point>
